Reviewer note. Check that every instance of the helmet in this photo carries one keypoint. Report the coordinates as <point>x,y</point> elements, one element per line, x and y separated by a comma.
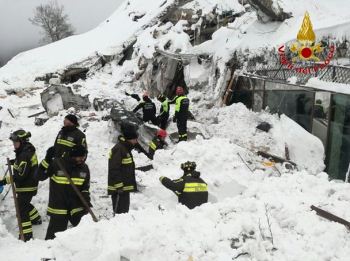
<point>188,166</point>
<point>20,135</point>
<point>179,90</point>
<point>162,133</point>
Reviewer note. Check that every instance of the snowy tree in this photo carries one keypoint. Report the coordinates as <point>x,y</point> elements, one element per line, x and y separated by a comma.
<point>53,21</point>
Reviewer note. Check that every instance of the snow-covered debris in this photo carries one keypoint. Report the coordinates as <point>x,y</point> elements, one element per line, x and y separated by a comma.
<point>106,39</point>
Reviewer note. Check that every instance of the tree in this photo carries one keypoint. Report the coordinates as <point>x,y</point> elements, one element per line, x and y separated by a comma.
<point>53,21</point>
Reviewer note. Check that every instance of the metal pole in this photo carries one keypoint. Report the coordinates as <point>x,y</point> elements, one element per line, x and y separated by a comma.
<point>19,220</point>
<point>76,190</point>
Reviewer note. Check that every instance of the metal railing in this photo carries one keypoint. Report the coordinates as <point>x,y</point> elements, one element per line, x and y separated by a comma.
<point>331,73</point>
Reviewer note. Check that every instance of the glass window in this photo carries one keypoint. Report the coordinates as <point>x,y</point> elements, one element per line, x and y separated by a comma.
<point>296,104</point>
<point>338,147</point>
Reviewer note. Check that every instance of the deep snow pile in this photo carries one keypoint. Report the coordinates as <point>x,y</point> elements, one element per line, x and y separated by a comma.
<point>233,223</point>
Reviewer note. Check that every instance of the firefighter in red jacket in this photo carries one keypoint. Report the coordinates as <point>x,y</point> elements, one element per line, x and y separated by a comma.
<point>191,190</point>
<point>64,204</point>
<point>24,167</point>
<point>121,169</point>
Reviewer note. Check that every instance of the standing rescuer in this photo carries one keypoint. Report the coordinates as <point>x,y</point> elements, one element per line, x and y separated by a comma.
<point>69,136</point>
<point>157,143</point>
<point>121,169</point>
<point>64,203</point>
<point>148,109</point>
<point>191,190</point>
<point>182,104</point>
<point>24,167</point>
<point>163,117</point>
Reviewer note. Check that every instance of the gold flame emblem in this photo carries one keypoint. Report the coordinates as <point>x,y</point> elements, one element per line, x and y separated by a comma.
<point>305,47</point>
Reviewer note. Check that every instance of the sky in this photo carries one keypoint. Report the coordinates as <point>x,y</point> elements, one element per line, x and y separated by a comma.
<point>18,34</point>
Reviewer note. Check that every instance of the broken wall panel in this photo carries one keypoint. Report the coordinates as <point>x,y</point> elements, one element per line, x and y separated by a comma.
<point>59,97</point>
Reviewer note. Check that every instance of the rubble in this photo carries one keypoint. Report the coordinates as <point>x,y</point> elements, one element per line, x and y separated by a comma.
<point>269,10</point>
<point>59,97</point>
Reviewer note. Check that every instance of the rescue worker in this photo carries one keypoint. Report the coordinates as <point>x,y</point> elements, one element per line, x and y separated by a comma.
<point>121,169</point>
<point>182,104</point>
<point>163,117</point>
<point>148,109</point>
<point>24,167</point>
<point>319,110</point>
<point>67,138</point>
<point>64,204</point>
<point>191,190</point>
<point>157,143</point>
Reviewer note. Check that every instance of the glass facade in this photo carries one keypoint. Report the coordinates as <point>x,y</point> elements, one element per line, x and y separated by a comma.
<point>338,149</point>
<point>326,116</point>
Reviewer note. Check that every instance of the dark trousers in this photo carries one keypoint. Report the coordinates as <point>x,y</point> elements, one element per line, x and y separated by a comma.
<point>163,121</point>
<point>182,128</point>
<point>121,202</point>
<point>59,223</point>
<point>28,214</point>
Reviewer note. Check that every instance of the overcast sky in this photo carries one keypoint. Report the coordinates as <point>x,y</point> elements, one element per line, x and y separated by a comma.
<point>17,33</point>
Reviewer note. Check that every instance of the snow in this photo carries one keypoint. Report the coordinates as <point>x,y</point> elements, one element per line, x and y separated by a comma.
<point>334,87</point>
<point>157,227</point>
<point>106,39</point>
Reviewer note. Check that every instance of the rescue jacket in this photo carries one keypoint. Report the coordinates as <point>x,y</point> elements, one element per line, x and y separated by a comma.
<point>164,109</point>
<point>66,139</point>
<point>182,104</point>
<point>154,145</point>
<point>148,109</point>
<point>191,190</point>
<point>24,168</point>
<point>62,198</point>
<point>121,168</point>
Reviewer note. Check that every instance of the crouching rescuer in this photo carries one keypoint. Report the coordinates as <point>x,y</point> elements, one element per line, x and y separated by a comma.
<point>64,203</point>
<point>121,169</point>
<point>191,190</point>
<point>24,167</point>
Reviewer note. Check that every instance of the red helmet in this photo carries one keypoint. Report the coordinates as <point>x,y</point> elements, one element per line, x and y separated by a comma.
<point>179,90</point>
<point>162,133</point>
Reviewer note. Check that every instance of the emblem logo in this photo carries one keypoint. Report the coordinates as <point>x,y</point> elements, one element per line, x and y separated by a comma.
<point>306,55</point>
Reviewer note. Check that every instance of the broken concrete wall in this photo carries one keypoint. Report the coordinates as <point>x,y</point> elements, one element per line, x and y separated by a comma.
<point>269,10</point>
<point>59,97</point>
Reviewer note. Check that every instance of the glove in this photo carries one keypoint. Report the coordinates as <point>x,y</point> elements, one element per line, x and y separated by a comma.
<point>3,182</point>
<point>174,119</point>
<point>12,161</point>
<point>50,153</point>
<point>86,196</point>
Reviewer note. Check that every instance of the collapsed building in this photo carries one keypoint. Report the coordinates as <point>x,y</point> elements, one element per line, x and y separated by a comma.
<point>258,80</point>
